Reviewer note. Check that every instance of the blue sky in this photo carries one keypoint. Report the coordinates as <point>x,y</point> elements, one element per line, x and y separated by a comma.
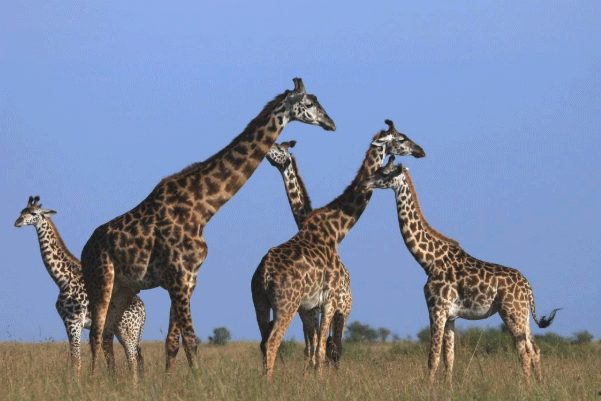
<point>99,101</point>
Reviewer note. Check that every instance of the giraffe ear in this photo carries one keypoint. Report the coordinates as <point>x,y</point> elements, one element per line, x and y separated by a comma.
<point>289,144</point>
<point>48,212</point>
<point>381,141</point>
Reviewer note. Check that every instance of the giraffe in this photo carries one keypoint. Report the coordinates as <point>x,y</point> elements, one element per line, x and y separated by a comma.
<point>300,204</point>
<point>160,242</point>
<point>306,270</point>
<point>459,285</point>
<point>72,302</point>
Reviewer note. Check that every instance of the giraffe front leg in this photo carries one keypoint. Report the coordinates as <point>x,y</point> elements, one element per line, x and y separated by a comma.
<point>449,348</point>
<point>180,311</point>
<point>172,341</point>
<point>437,325</point>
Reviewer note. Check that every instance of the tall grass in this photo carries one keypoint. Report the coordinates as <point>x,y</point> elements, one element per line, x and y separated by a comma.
<point>234,372</point>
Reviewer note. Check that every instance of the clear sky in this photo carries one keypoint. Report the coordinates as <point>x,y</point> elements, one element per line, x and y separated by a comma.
<point>100,100</point>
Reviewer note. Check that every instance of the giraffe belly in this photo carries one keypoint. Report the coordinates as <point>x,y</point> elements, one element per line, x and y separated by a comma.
<point>313,300</point>
<point>471,311</point>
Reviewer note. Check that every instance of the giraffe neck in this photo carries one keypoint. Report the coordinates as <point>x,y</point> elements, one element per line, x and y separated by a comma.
<point>340,215</point>
<point>298,197</point>
<point>216,180</point>
<point>424,242</point>
<point>62,266</point>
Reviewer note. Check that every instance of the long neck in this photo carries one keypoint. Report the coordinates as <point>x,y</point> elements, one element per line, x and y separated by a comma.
<point>62,266</point>
<point>341,214</point>
<point>424,242</point>
<point>298,197</point>
<point>210,184</point>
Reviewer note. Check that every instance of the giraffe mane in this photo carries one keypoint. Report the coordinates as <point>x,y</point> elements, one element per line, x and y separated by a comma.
<point>61,243</point>
<point>194,167</point>
<point>427,227</point>
<point>301,183</point>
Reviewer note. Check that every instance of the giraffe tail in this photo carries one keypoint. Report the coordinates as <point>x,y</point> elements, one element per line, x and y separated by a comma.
<point>544,321</point>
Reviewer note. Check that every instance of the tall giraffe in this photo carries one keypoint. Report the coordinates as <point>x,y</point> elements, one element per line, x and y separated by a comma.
<point>306,270</point>
<point>459,285</point>
<point>300,204</point>
<point>72,302</point>
<point>160,242</point>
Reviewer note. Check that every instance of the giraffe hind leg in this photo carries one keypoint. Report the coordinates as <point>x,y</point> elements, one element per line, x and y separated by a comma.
<point>99,277</point>
<point>281,321</point>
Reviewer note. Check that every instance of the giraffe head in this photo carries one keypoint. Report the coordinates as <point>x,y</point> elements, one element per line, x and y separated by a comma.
<point>33,213</point>
<point>387,176</point>
<point>305,108</point>
<point>396,143</point>
<point>279,156</point>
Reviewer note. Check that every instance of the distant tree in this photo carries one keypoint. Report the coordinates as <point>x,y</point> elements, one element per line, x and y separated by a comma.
<point>582,337</point>
<point>221,336</point>
<point>383,334</point>
<point>358,332</point>
<point>424,335</point>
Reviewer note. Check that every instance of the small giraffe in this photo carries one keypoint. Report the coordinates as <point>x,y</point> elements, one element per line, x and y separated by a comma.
<point>160,242</point>
<point>72,302</point>
<point>300,204</point>
<point>305,271</point>
<point>459,285</point>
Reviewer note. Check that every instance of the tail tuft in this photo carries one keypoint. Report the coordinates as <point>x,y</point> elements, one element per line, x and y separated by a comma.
<point>546,322</point>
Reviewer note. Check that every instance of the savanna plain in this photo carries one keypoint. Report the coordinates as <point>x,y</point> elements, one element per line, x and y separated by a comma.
<point>373,371</point>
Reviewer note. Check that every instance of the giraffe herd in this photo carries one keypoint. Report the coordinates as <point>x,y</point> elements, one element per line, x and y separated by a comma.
<point>160,243</point>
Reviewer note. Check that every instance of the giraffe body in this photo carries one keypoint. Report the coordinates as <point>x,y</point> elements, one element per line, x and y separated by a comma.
<point>459,285</point>
<point>306,272</point>
<point>160,242</point>
<point>300,204</point>
<point>72,303</point>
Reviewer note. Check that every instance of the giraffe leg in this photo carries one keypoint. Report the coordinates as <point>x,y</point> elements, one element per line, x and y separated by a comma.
<point>437,324</point>
<point>262,311</point>
<point>172,341</point>
<point>327,314</point>
<point>99,276</point>
<point>448,348</point>
<point>139,328</point>
<point>519,334</point>
<point>180,322</point>
<point>535,358</point>
<point>335,346</point>
<point>116,324</point>
<point>281,321</point>
<point>107,347</point>
<point>74,335</point>
<point>310,319</point>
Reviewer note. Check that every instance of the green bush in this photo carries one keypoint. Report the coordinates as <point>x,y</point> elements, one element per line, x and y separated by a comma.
<point>221,336</point>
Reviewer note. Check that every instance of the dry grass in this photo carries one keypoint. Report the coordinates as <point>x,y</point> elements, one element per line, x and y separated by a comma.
<point>234,372</point>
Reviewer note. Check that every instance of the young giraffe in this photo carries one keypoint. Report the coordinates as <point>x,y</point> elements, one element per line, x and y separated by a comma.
<point>306,270</point>
<point>160,242</point>
<point>72,302</point>
<point>300,204</point>
<point>459,285</point>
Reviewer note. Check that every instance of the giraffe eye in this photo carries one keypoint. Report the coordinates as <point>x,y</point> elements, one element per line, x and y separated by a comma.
<point>309,105</point>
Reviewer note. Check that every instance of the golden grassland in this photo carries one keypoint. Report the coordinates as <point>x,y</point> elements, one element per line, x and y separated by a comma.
<point>40,371</point>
